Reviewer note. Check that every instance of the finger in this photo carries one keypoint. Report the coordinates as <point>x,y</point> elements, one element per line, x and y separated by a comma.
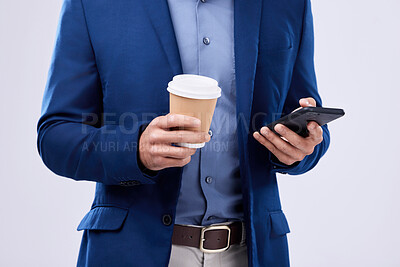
<point>293,138</point>
<point>179,136</point>
<point>286,159</point>
<point>171,162</point>
<point>308,102</point>
<point>282,145</point>
<point>176,120</point>
<point>315,133</point>
<point>172,151</point>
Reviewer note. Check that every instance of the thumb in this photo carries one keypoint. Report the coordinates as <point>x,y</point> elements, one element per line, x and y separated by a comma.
<point>307,102</point>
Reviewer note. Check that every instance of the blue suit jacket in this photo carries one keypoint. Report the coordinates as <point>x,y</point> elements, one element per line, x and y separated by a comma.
<point>113,60</point>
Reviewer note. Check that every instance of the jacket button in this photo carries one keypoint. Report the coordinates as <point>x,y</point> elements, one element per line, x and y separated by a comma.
<point>167,219</point>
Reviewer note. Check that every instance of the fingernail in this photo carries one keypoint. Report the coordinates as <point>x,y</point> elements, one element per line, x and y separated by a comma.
<point>312,126</point>
<point>279,129</point>
<point>197,122</point>
<point>264,131</point>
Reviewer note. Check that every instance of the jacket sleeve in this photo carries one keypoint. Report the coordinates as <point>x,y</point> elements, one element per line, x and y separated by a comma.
<point>72,140</point>
<point>304,84</point>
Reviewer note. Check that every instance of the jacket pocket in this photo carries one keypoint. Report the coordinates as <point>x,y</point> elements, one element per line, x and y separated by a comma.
<point>103,218</point>
<point>273,62</point>
<point>276,42</point>
<point>279,224</point>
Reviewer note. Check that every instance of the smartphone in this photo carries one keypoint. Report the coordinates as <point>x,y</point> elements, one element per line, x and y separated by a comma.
<point>297,121</point>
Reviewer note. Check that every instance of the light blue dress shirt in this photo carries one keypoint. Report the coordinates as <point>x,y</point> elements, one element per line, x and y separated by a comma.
<point>211,186</point>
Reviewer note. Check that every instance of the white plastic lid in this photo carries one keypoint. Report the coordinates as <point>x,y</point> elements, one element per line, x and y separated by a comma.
<point>194,86</point>
<point>191,145</point>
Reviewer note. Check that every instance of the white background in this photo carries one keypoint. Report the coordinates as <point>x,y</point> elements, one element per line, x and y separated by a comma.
<point>345,212</point>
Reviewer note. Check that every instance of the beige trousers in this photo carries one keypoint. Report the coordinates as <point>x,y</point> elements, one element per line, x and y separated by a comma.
<point>184,256</point>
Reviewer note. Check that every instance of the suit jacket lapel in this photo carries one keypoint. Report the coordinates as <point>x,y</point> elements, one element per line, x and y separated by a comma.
<point>246,29</point>
<point>158,12</point>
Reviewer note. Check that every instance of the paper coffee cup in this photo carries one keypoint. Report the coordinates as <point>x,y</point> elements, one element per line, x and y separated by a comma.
<point>195,96</point>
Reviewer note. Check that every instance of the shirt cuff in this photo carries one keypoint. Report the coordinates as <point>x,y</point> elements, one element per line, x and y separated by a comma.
<point>281,167</point>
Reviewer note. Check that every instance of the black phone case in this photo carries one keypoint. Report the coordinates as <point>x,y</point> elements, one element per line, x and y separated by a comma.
<point>298,120</point>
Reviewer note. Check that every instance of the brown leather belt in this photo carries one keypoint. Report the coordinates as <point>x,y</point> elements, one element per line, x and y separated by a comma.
<point>209,239</point>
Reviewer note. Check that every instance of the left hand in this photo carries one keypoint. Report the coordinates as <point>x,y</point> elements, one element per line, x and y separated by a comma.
<point>295,147</point>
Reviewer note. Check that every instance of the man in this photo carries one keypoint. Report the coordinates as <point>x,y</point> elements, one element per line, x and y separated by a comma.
<point>105,119</point>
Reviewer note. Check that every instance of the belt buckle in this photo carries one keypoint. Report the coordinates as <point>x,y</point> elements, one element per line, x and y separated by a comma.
<point>211,228</point>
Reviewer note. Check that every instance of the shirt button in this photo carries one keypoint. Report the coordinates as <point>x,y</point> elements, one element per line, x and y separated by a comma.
<point>203,1</point>
<point>210,133</point>
<point>209,179</point>
<point>167,219</point>
<point>206,40</point>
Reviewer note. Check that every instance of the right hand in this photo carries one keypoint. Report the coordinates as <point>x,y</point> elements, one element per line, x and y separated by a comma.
<point>155,145</point>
